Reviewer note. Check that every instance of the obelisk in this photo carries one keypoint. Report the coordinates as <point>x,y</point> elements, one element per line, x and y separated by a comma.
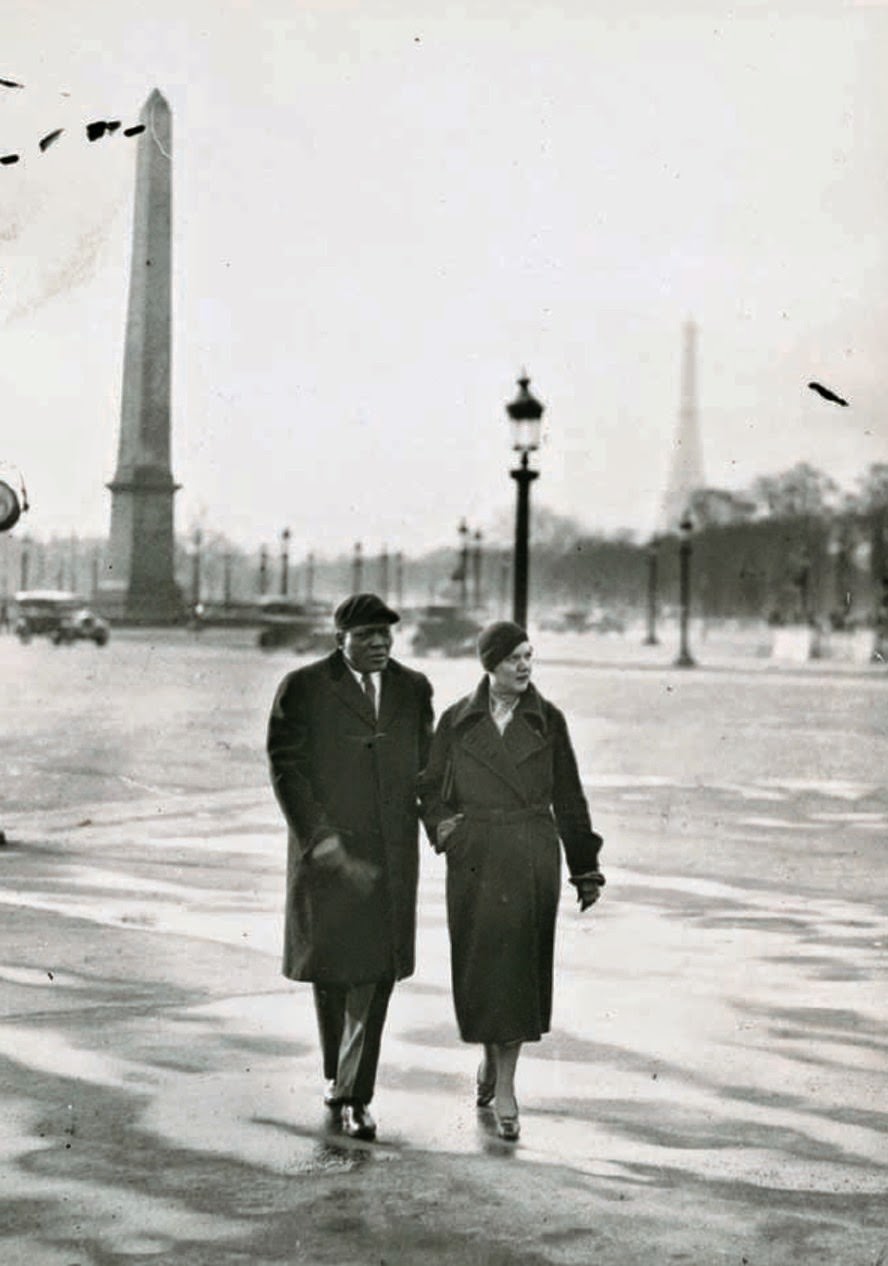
<point>686,472</point>
<point>138,583</point>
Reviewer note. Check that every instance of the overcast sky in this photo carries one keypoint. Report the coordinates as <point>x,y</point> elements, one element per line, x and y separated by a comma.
<point>384,209</point>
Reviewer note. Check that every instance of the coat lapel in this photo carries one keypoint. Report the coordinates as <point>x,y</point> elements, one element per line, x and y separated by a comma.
<point>502,755</point>
<point>522,738</point>
<point>348,690</point>
<point>394,694</point>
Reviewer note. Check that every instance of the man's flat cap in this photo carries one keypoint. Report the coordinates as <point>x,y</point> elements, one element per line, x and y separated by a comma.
<point>363,608</point>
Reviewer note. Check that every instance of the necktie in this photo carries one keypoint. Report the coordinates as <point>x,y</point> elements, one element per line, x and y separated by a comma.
<point>369,690</point>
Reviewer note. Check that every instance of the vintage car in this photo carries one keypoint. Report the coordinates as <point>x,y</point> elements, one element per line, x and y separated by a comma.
<point>58,614</point>
<point>302,627</point>
<point>445,630</point>
<point>580,620</point>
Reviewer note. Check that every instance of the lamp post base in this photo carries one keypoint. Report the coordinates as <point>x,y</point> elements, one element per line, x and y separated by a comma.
<point>685,660</point>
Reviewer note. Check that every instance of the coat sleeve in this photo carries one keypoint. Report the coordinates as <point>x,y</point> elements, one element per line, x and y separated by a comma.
<point>581,843</point>
<point>426,722</point>
<point>288,755</point>
<point>433,791</point>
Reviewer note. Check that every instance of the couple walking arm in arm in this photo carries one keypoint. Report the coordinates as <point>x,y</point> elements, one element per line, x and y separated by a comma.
<point>348,738</point>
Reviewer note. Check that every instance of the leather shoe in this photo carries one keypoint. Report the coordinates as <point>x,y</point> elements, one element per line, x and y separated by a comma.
<point>331,1099</point>
<point>357,1122</point>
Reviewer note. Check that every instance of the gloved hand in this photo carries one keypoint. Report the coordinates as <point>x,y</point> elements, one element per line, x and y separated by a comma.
<point>588,888</point>
<point>331,857</point>
<point>446,827</point>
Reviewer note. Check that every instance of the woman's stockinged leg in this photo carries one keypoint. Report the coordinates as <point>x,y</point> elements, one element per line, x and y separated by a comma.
<point>488,1064</point>
<point>505,1104</point>
<point>485,1085</point>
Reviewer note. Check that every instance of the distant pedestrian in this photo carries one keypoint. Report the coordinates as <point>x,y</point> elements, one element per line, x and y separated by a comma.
<point>501,787</point>
<point>347,738</point>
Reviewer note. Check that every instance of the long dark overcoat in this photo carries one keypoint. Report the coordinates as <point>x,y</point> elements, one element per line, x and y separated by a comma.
<point>335,767</point>
<point>519,792</point>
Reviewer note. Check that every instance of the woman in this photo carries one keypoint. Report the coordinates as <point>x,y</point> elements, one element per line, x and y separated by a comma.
<point>501,787</point>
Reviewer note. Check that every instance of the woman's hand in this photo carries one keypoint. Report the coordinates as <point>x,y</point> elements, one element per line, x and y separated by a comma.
<point>446,827</point>
<point>588,888</point>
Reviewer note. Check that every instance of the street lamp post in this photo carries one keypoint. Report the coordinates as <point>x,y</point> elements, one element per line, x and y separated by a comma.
<point>384,573</point>
<point>357,568</point>
<point>685,658</point>
<point>476,569</point>
<point>652,566</point>
<point>263,570</point>
<point>226,582</point>
<point>399,579</point>
<point>879,572</point>
<point>463,568</point>
<point>197,539</point>
<point>285,562</point>
<point>504,585</point>
<point>310,578</point>
<point>526,416</point>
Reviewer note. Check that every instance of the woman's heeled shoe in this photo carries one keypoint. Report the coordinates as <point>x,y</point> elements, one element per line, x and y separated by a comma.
<point>484,1091</point>
<point>508,1128</point>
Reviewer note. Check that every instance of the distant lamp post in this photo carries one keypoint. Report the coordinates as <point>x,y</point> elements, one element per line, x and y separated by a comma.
<point>462,570</point>
<point>263,571</point>
<point>358,568</point>
<point>196,541</point>
<point>653,551</point>
<point>399,579</point>
<point>310,578</point>
<point>685,658</point>
<point>526,416</point>
<point>476,569</point>
<point>285,562</point>
<point>24,562</point>
<point>879,573</point>
<point>505,568</point>
<point>384,573</point>
<point>226,581</point>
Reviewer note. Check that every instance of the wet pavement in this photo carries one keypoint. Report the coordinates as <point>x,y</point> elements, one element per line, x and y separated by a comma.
<point>715,1087</point>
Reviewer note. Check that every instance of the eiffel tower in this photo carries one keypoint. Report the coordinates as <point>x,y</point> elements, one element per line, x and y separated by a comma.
<point>686,471</point>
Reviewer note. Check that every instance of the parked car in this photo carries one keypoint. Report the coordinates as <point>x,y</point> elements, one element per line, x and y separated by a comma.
<point>82,625</point>
<point>445,630</point>
<point>302,627</point>
<point>58,614</point>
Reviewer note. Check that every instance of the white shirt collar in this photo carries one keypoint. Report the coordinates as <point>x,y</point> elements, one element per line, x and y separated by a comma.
<point>359,678</point>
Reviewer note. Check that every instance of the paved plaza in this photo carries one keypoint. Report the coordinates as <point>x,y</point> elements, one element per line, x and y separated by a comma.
<point>714,1088</point>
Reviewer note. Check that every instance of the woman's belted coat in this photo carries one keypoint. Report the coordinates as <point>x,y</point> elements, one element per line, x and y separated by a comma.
<point>519,793</point>
<point>335,767</point>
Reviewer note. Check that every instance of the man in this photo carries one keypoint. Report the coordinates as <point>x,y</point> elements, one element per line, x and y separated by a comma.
<point>347,738</point>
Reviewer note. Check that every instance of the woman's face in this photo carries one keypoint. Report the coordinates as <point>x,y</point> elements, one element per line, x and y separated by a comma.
<point>512,674</point>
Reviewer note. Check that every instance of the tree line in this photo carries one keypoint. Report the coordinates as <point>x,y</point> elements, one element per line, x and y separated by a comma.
<point>793,547</point>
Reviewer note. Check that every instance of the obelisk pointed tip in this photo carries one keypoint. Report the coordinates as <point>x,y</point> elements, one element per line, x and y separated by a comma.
<point>156,100</point>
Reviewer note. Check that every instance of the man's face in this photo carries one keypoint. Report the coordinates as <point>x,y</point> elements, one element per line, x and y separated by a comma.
<point>367,647</point>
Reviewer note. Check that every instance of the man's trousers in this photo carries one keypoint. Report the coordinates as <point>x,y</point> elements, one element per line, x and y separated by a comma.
<point>350,1021</point>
